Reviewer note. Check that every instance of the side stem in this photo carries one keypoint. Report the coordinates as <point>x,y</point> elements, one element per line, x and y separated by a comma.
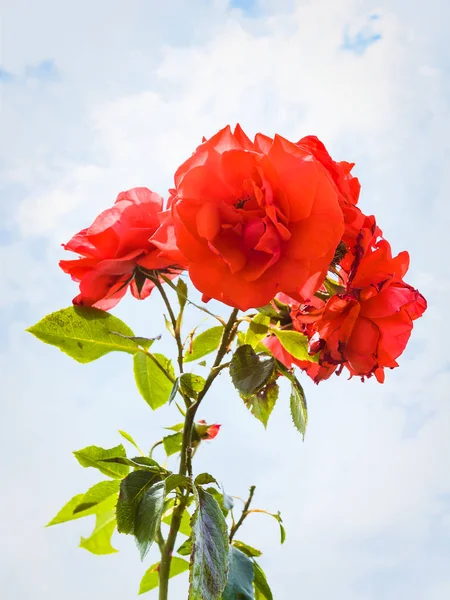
<point>243,514</point>
<point>173,320</point>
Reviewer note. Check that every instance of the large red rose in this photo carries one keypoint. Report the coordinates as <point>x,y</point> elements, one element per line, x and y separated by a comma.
<point>116,243</point>
<point>255,218</point>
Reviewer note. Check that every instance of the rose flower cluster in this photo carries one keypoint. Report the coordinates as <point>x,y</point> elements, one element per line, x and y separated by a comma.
<point>262,222</point>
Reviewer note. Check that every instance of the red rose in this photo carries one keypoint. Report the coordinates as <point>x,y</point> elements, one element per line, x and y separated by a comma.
<point>113,247</point>
<point>255,218</point>
<point>367,327</point>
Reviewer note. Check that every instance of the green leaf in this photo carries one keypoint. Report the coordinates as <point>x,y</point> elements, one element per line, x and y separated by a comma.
<point>257,329</point>
<point>177,427</point>
<point>150,581</point>
<point>138,462</point>
<point>241,338</point>
<point>191,384</point>
<point>169,326</point>
<point>185,548</point>
<point>282,533</point>
<point>225,502</point>
<point>333,287</point>
<point>262,589</point>
<point>128,437</point>
<point>132,489</point>
<point>143,342</point>
<point>277,516</point>
<point>172,443</point>
<point>240,577</point>
<point>94,456</point>
<point>299,409</point>
<point>250,371</point>
<point>98,499</point>
<point>182,293</point>
<point>155,386</point>
<point>204,343</point>
<point>262,403</point>
<point>228,501</point>
<point>99,542</point>
<point>209,557</point>
<point>148,516</point>
<point>205,478</point>
<point>85,334</point>
<point>146,461</point>
<point>177,481</point>
<point>269,311</point>
<point>246,549</point>
<point>295,343</point>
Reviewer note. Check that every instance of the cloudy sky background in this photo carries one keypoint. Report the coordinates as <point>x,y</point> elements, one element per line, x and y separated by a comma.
<point>100,97</point>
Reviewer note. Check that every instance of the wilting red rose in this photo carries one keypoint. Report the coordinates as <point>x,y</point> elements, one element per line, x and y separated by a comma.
<point>116,243</point>
<point>364,329</point>
<point>255,218</point>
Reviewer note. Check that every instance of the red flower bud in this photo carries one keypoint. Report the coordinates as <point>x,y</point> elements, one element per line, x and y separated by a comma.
<point>207,432</point>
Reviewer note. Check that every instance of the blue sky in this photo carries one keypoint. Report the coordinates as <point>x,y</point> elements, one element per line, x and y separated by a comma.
<point>101,97</point>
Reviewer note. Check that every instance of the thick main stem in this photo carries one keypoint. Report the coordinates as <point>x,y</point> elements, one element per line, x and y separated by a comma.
<point>166,553</point>
<point>186,457</point>
<point>185,460</point>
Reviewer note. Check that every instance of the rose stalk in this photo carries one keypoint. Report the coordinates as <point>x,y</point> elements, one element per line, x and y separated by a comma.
<point>268,227</point>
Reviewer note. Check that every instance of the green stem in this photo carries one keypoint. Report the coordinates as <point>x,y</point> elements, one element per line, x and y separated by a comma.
<point>160,539</point>
<point>155,445</point>
<point>227,336</point>
<point>244,514</point>
<point>175,325</point>
<point>186,457</point>
<point>166,553</point>
<point>202,308</point>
